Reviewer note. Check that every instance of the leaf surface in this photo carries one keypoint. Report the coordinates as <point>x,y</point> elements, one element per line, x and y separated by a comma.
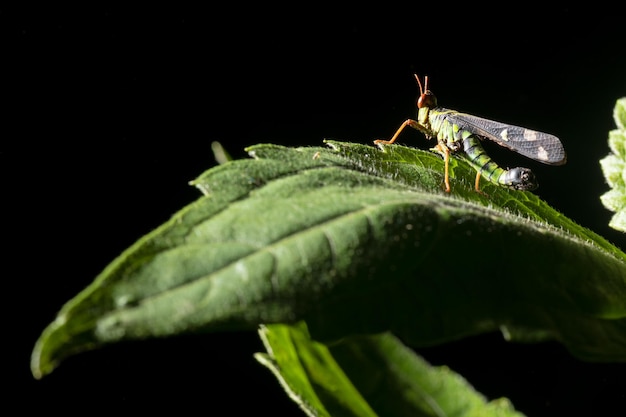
<point>353,240</point>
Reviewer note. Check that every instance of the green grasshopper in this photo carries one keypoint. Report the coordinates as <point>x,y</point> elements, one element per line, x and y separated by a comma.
<point>456,132</point>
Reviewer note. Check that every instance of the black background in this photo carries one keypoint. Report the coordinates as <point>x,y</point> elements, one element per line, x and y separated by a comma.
<point>108,113</point>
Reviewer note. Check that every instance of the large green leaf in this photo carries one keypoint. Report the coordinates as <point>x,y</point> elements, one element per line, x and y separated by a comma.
<point>354,240</point>
<point>368,376</point>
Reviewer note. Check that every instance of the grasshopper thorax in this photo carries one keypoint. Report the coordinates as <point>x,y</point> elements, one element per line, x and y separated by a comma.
<point>427,98</point>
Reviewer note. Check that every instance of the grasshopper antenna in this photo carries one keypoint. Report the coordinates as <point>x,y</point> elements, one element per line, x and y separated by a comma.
<point>420,83</point>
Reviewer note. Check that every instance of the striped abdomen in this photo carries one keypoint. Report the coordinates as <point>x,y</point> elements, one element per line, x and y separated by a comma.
<point>516,178</point>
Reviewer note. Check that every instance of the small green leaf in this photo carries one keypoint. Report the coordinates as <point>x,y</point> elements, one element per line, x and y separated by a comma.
<point>614,169</point>
<point>221,155</point>
<point>372,375</point>
<point>309,373</point>
<point>355,240</point>
<point>619,114</point>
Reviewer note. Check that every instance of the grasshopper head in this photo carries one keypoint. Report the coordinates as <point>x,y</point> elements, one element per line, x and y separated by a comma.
<point>427,98</point>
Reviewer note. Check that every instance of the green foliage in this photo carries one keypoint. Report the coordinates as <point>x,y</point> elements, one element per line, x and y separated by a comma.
<point>355,242</point>
<point>614,169</point>
<point>368,376</point>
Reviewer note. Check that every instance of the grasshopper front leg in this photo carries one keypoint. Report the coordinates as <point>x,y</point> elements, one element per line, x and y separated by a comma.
<point>408,122</point>
<point>441,147</point>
